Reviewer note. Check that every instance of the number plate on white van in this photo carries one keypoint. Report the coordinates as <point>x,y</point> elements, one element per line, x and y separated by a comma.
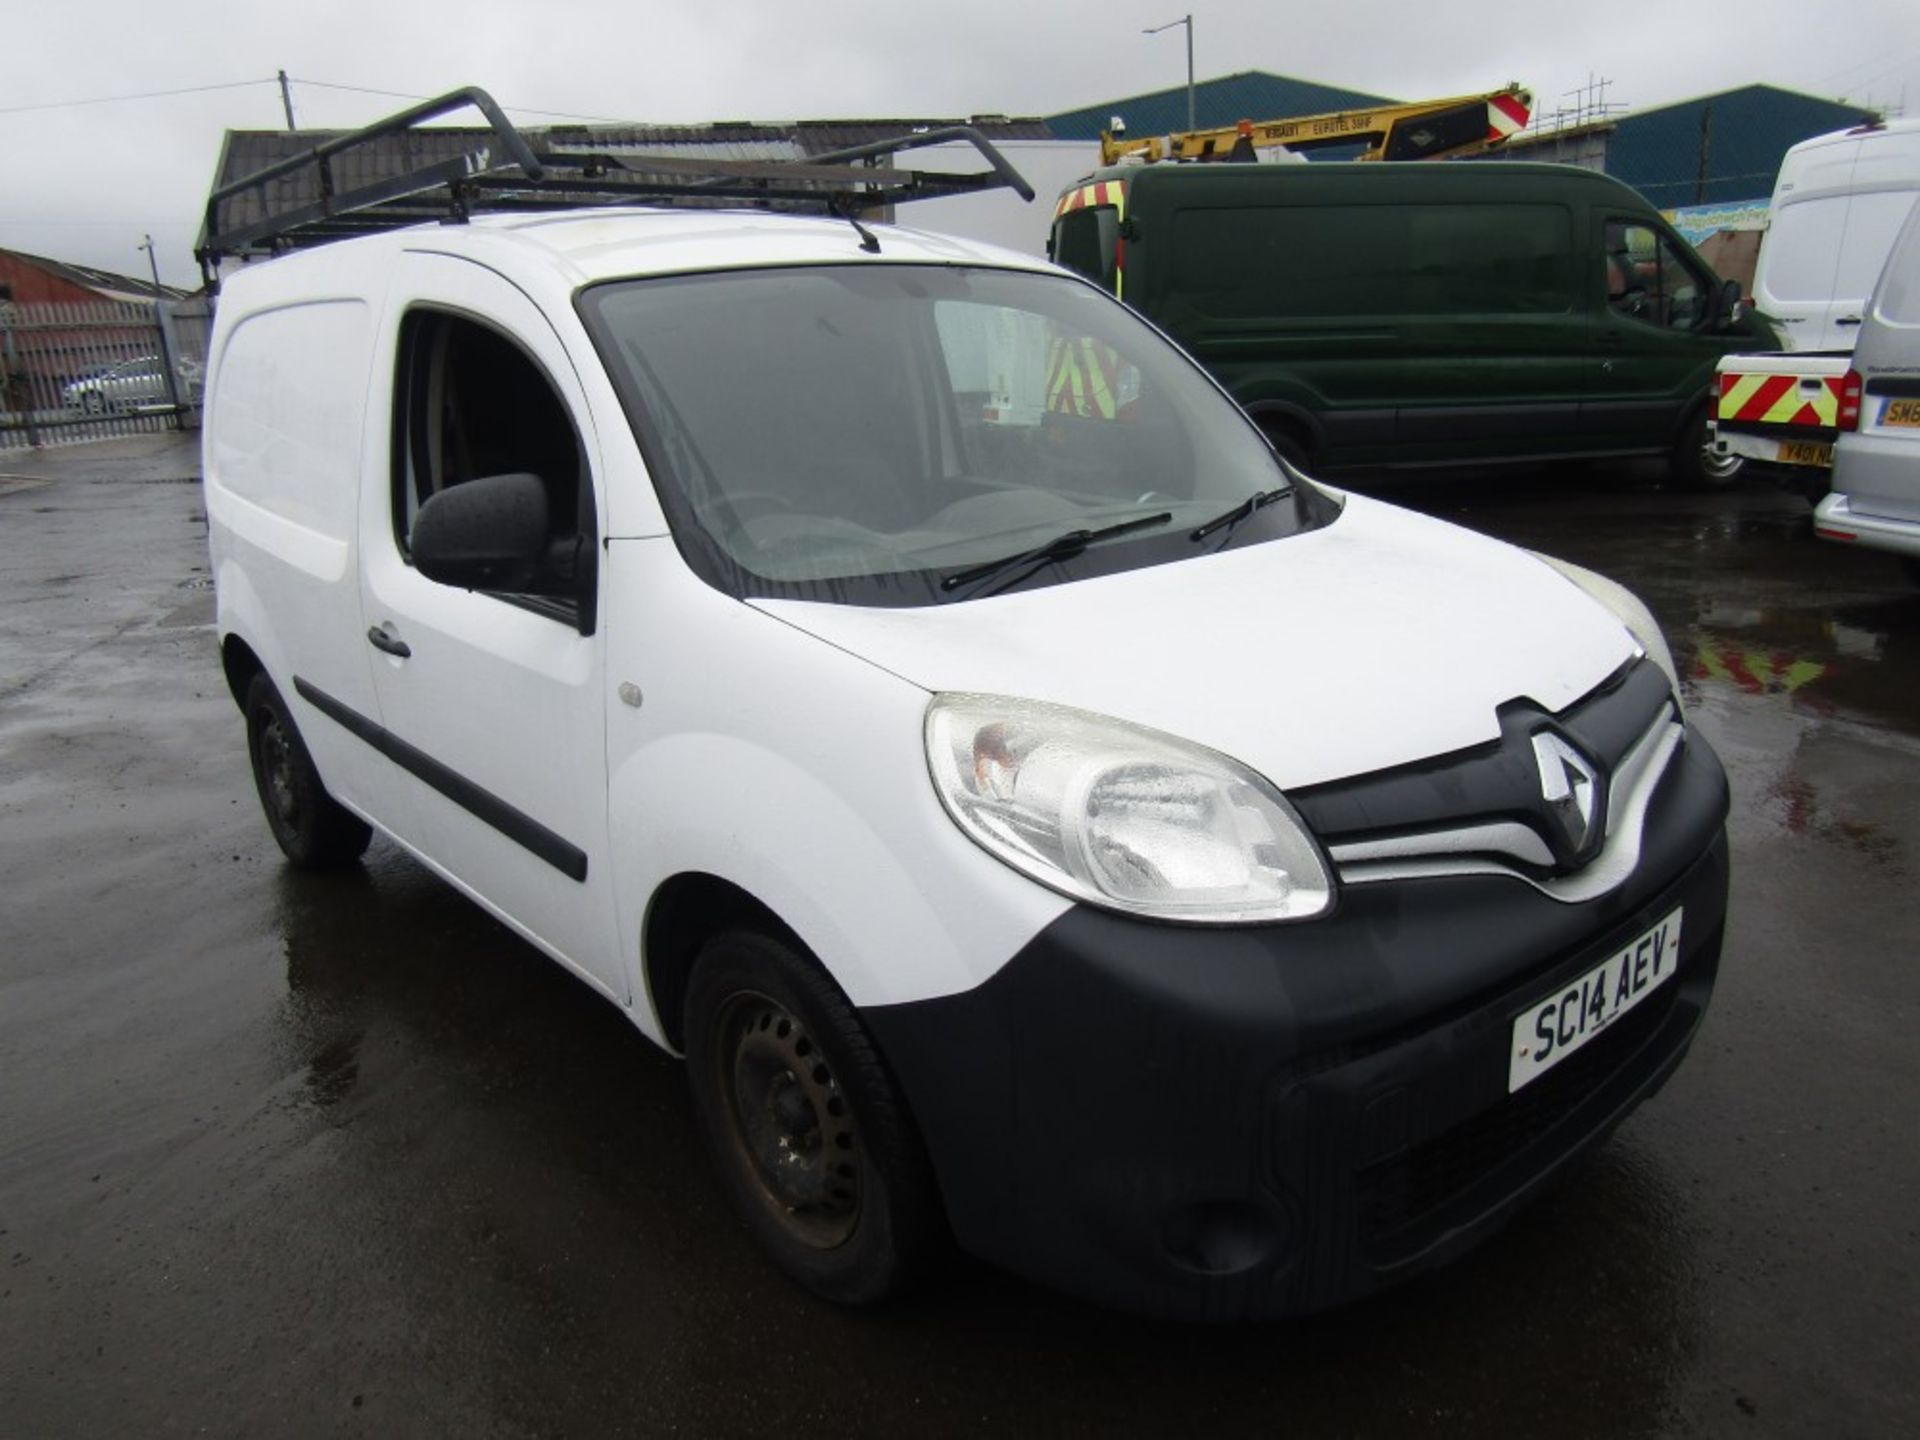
<point>1559,1024</point>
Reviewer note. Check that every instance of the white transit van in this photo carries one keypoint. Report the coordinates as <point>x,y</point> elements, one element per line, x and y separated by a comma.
<point>1042,818</point>
<point>1837,204</point>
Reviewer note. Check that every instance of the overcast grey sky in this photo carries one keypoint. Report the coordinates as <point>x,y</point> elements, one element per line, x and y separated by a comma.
<point>84,182</point>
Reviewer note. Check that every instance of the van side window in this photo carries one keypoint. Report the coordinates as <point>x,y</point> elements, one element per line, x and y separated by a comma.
<point>470,403</point>
<point>1650,281</point>
<point>1086,242</point>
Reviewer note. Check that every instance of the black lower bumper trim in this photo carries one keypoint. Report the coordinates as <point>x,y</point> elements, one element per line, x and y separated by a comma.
<point>1248,1122</point>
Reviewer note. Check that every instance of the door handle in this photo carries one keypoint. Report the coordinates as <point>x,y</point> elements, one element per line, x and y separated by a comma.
<point>381,637</point>
<point>1609,337</point>
<point>1847,320</point>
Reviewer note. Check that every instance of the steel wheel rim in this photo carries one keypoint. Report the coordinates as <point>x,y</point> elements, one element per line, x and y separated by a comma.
<point>276,769</point>
<point>1717,466</point>
<point>790,1125</point>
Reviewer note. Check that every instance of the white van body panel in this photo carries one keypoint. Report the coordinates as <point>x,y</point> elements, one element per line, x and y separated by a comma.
<point>796,771</point>
<point>1837,205</point>
<point>286,402</point>
<point>1303,660</point>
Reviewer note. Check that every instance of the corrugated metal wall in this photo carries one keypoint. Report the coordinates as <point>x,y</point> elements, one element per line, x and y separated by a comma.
<point>1718,148</point>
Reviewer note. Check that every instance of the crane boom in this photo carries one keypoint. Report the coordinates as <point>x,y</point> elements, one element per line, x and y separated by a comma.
<point>1426,130</point>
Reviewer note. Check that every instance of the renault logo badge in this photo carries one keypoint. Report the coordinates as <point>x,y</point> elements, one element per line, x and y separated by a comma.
<point>1570,787</point>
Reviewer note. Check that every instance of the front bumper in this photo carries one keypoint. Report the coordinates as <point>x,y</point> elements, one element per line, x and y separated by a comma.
<point>1238,1123</point>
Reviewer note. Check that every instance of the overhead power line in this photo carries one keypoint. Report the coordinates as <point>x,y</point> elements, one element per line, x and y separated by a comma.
<point>408,95</point>
<point>144,95</point>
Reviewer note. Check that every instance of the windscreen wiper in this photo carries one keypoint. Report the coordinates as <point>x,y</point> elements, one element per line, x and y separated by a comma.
<point>1061,547</point>
<point>1241,511</point>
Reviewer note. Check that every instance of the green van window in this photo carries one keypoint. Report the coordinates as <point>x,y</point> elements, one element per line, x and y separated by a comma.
<point>1085,241</point>
<point>1490,260</point>
<point>1334,260</point>
<point>1650,281</point>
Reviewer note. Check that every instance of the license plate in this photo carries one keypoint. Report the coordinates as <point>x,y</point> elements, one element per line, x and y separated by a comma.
<point>1806,452</point>
<point>1557,1025</point>
<point>1901,412</point>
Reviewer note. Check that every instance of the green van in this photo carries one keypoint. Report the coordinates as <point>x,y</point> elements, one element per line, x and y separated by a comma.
<point>1403,315</point>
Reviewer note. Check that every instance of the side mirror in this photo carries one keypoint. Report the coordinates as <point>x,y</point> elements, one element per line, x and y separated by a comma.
<point>1727,304</point>
<point>487,534</point>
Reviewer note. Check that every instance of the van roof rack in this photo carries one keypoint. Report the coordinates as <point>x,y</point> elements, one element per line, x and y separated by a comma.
<point>301,204</point>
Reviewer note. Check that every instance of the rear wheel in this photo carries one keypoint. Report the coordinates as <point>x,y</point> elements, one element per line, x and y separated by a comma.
<point>1694,463</point>
<point>313,830</point>
<point>811,1136</point>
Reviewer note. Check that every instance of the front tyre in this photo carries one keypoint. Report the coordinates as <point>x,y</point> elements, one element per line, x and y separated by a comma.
<point>313,830</point>
<point>1694,463</point>
<point>810,1134</point>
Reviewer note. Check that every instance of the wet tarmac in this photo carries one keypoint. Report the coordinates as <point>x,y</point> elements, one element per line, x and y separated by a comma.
<point>294,1155</point>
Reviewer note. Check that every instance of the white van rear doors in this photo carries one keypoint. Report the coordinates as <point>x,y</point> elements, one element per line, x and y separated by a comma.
<point>1837,206</point>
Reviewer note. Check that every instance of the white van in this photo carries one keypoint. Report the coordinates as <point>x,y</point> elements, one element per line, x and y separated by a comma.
<point>1044,821</point>
<point>1837,204</point>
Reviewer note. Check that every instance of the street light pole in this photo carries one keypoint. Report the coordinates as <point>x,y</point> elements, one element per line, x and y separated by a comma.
<point>1186,20</point>
<point>161,323</point>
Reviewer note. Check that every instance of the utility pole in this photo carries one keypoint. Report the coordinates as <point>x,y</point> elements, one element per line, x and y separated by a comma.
<point>286,100</point>
<point>1186,20</point>
<point>147,245</point>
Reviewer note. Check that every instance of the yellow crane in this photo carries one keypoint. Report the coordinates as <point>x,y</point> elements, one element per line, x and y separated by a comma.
<point>1426,130</point>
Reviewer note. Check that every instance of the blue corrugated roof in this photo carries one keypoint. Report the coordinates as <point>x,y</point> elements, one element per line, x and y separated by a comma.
<point>1249,95</point>
<point>1746,131</point>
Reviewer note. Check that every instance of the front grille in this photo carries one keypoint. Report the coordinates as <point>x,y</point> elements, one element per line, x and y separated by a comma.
<point>1401,1193</point>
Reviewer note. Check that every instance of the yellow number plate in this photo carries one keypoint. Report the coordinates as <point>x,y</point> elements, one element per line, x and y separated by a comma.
<point>1901,412</point>
<point>1805,452</point>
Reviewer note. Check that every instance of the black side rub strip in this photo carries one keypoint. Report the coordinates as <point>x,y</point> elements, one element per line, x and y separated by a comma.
<point>569,859</point>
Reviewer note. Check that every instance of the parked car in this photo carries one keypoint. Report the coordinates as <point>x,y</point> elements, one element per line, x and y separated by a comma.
<point>1414,315</point>
<point>1875,500</point>
<point>138,383</point>
<point>1038,814</point>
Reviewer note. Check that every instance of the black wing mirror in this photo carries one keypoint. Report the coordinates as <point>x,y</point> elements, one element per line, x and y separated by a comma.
<point>488,534</point>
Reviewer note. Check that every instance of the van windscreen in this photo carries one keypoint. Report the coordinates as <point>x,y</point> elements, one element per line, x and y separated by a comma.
<point>859,433</point>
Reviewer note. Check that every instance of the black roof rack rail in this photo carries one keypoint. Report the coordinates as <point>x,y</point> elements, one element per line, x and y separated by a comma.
<point>850,181</point>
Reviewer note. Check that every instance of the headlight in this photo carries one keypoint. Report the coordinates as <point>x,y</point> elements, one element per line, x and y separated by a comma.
<point>1121,816</point>
<point>1630,610</point>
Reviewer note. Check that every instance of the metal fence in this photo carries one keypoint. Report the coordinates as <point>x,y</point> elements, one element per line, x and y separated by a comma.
<point>73,372</point>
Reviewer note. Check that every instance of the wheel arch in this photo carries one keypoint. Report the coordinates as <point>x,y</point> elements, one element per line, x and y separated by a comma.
<point>240,664</point>
<point>686,911</point>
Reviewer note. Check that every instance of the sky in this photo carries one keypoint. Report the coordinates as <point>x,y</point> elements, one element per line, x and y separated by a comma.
<point>86,182</point>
